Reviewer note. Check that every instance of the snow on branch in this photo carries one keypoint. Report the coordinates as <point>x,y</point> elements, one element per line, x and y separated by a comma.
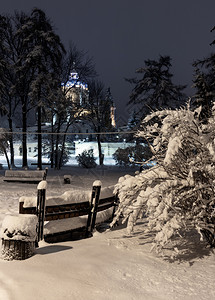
<point>179,189</point>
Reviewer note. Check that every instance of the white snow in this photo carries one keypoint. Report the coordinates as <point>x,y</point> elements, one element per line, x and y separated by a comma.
<point>28,201</point>
<point>72,196</point>
<point>19,227</point>
<point>173,146</point>
<point>42,185</point>
<point>97,183</point>
<point>107,192</point>
<point>109,266</point>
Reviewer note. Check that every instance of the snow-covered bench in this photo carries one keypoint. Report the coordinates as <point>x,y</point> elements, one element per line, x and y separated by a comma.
<point>68,216</point>
<point>30,176</point>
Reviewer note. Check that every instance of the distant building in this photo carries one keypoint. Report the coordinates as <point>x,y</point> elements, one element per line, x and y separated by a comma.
<point>75,89</point>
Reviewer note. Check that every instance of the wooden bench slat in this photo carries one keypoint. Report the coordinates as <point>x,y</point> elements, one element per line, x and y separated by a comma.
<point>107,200</point>
<point>65,215</point>
<point>65,207</point>
<point>104,207</point>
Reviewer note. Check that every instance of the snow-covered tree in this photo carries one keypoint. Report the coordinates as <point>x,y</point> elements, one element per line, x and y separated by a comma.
<point>10,47</point>
<point>23,75</point>
<point>155,90</point>
<point>178,192</point>
<point>43,55</point>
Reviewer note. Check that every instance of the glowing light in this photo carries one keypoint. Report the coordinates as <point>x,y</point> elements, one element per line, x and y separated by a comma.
<point>112,116</point>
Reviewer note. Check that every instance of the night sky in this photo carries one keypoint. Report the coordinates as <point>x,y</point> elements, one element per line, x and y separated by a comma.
<point>121,34</point>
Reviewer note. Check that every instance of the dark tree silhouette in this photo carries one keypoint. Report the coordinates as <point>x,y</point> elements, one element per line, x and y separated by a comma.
<point>155,90</point>
<point>99,112</point>
<point>10,50</point>
<point>204,82</point>
<point>43,55</point>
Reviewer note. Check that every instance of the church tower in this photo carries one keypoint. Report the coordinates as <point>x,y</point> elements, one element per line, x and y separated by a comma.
<point>76,90</point>
<point>112,108</point>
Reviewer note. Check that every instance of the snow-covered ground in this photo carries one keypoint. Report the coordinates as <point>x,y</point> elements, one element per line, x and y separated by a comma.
<point>110,265</point>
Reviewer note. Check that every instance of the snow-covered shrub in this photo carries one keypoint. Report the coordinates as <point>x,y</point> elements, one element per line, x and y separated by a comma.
<point>121,156</point>
<point>137,153</point>
<point>86,159</point>
<point>178,192</point>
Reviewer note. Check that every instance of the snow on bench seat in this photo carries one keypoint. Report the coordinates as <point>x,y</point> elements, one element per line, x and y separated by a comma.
<point>52,227</point>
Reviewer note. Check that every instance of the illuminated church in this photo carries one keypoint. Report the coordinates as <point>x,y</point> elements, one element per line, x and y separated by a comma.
<point>78,92</point>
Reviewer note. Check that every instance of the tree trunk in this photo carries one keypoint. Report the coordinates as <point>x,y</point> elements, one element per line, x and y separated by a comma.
<point>52,144</point>
<point>57,146</point>
<point>101,156</point>
<point>11,143</point>
<point>39,138</point>
<point>62,151</point>
<point>63,146</point>
<point>24,135</point>
<point>7,158</point>
<point>56,152</point>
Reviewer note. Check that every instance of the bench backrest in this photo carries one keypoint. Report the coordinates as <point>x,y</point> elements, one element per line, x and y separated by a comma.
<point>64,211</point>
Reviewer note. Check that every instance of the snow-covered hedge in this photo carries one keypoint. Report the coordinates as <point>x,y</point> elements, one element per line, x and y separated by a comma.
<point>178,192</point>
